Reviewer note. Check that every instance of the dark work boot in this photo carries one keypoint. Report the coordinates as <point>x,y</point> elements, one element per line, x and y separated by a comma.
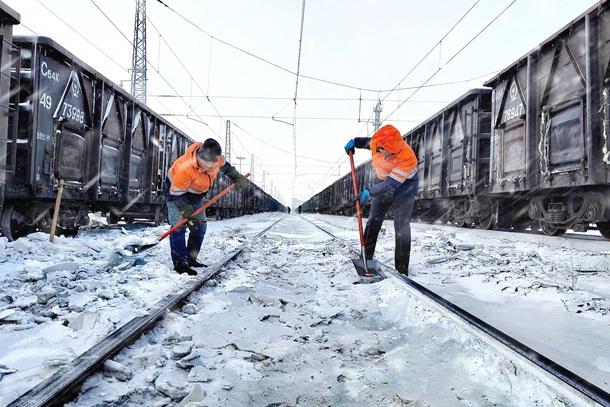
<point>195,263</point>
<point>185,269</point>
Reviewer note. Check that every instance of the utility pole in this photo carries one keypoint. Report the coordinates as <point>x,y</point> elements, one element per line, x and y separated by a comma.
<point>228,142</point>
<point>294,111</point>
<point>240,158</point>
<point>378,109</point>
<point>138,60</point>
<point>252,165</point>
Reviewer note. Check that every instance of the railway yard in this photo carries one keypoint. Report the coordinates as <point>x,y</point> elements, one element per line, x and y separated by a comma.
<point>464,259</point>
<point>286,310</point>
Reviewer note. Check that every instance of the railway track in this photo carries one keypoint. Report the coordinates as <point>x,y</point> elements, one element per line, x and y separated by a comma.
<point>567,235</point>
<point>555,370</point>
<point>64,383</point>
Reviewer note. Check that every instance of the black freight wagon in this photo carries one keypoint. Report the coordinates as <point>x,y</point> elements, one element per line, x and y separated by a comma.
<point>74,125</point>
<point>452,149</point>
<point>8,18</point>
<point>550,145</point>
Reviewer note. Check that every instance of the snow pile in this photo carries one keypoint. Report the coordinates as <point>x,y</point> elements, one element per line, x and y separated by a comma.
<point>59,299</point>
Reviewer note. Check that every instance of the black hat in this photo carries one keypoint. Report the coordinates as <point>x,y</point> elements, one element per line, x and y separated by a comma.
<point>210,150</point>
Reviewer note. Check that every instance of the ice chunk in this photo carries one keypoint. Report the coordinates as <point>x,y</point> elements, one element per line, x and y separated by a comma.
<point>171,387</point>
<point>117,370</point>
<point>181,350</point>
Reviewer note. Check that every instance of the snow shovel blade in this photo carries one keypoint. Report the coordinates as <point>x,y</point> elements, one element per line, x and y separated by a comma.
<point>139,248</point>
<point>371,265</point>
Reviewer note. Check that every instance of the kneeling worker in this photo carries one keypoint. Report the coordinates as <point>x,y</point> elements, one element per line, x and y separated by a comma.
<point>188,180</point>
<point>395,165</point>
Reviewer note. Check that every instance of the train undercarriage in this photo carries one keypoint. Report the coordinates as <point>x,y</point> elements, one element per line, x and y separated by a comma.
<point>551,212</point>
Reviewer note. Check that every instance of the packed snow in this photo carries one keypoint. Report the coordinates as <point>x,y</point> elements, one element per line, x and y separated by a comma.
<point>59,299</point>
<point>284,324</point>
<point>551,293</point>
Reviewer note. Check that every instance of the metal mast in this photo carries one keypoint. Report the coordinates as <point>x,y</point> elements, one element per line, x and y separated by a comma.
<point>228,142</point>
<point>378,109</point>
<point>138,60</point>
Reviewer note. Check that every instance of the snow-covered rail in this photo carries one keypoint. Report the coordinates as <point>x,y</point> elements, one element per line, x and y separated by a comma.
<point>557,371</point>
<point>64,382</point>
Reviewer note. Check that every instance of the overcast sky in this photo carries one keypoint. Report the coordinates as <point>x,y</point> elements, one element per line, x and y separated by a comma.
<point>367,44</point>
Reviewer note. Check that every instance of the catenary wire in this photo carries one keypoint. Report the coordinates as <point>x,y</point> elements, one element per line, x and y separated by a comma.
<point>330,82</point>
<point>453,56</point>
<point>168,114</point>
<point>83,37</point>
<point>151,64</point>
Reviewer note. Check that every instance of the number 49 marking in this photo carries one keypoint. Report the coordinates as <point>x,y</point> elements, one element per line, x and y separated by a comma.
<point>46,101</point>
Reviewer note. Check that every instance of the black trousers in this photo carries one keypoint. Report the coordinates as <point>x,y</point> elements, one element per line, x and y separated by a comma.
<point>402,207</point>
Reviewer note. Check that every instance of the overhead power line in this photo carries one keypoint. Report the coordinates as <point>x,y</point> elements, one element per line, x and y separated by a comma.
<point>151,65</point>
<point>236,116</point>
<point>453,56</point>
<point>81,36</point>
<point>422,59</point>
<point>438,44</point>
<point>262,141</point>
<point>192,78</point>
<point>267,61</point>
<point>321,99</point>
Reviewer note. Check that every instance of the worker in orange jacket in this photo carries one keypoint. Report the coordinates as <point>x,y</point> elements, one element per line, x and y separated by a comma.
<point>395,165</point>
<point>188,180</point>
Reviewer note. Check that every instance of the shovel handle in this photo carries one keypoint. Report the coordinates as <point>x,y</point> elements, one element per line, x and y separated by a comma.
<point>358,209</point>
<point>200,209</point>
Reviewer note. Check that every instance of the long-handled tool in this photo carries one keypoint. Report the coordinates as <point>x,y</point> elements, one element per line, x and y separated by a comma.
<point>139,248</point>
<point>364,268</point>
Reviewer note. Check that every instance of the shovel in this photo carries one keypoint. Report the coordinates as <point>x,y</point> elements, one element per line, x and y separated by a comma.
<point>139,248</point>
<point>364,268</point>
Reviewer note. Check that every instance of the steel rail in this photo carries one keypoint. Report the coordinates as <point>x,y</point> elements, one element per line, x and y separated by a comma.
<point>566,376</point>
<point>57,388</point>
<point>567,235</point>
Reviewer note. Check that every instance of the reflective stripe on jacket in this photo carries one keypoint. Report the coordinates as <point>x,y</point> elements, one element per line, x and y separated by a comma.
<point>186,176</point>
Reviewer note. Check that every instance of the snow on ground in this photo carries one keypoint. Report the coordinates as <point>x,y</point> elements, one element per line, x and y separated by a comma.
<point>59,299</point>
<point>284,325</point>
<point>551,293</point>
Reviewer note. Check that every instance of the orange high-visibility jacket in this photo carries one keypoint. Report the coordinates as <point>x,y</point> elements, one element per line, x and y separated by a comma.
<point>400,166</point>
<point>186,176</point>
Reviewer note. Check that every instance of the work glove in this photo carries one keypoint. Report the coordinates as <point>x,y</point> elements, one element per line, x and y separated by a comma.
<point>363,196</point>
<point>187,213</point>
<point>240,181</point>
<point>350,146</point>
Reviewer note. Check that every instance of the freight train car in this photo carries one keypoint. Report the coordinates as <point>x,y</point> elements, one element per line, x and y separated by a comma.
<point>452,149</point>
<point>533,154</point>
<point>75,126</point>
<point>550,127</point>
<point>8,18</point>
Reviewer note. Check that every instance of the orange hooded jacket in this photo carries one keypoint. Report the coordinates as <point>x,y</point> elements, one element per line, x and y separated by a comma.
<point>186,176</point>
<point>400,166</point>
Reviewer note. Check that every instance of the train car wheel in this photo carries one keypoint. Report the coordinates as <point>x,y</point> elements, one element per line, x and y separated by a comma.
<point>604,229</point>
<point>112,219</point>
<point>551,230</point>
<point>159,216</point>
<point>71,232</point>
<point>13,223</point>
<point>490,217</point>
